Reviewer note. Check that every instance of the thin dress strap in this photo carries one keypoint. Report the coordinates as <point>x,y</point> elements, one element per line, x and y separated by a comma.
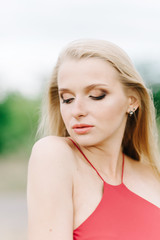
<point>87,159</point>
<point>94,167</point>
<point>122,169</point>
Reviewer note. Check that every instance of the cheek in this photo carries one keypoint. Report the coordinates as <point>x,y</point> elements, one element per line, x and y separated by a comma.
<point>112,108</point>
<point>64,114</point>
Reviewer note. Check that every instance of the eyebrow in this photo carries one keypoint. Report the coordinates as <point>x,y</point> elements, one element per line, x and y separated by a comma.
<point>88,88</point>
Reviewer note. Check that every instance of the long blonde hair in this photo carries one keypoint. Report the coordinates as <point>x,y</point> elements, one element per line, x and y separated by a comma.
<point>140,140</point>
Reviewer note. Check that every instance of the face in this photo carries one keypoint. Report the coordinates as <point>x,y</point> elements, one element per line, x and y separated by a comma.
<point>93,103</point>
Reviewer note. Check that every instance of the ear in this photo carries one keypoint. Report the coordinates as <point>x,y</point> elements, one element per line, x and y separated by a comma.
<point>133,103</point>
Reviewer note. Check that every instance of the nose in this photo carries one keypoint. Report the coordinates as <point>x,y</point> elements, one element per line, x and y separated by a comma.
<point>79,108</point>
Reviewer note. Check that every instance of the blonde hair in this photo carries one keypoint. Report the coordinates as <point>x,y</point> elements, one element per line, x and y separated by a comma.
<point>140,140</point>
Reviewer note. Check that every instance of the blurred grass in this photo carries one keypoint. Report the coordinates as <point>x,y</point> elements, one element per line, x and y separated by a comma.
<point>18,123</point>
<point>13,173</point>
<point>13,201</point>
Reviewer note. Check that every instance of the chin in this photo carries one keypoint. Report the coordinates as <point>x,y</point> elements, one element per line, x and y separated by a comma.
<point>85,140</point>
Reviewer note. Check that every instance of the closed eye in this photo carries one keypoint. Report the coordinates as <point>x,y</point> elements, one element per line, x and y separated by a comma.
<point>69,100</point>
<point>99,97</point>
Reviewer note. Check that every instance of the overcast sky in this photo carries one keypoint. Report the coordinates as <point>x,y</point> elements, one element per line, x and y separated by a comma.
<point>32,32</point>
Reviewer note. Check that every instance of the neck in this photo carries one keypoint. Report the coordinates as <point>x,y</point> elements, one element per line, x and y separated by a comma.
<point>107,158</point>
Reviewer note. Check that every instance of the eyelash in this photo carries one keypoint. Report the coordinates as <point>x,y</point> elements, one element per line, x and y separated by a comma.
<point>68,101</point>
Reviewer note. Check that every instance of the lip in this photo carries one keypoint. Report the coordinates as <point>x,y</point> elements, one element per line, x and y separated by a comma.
<point>81,128</point>
<point>81,125</point>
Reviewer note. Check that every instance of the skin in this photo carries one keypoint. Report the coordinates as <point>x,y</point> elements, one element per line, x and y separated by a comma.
<point>108,115</point>
<point>59,178</point>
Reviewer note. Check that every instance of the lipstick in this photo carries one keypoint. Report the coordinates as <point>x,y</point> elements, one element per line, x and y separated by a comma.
<point>82,128</point>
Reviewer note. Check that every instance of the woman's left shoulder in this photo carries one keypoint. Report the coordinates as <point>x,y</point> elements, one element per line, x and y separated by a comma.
<point>142,179</point>
<point>146,172</point>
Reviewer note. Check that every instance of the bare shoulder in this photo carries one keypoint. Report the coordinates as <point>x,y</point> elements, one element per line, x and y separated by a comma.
<point>52,150</point>
<point>52,139</point>
<point>50,184</point>
<point>143,175</point>
<point>53,144</point>
<point>145,170</point>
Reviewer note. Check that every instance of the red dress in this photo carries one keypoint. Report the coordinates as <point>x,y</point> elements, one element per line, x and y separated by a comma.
<point>120,215</point>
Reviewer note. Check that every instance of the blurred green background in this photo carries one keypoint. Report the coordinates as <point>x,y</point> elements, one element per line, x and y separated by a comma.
<point>18,123</point>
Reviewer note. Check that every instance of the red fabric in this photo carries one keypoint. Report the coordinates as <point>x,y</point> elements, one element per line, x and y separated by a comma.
<point>120,215</point>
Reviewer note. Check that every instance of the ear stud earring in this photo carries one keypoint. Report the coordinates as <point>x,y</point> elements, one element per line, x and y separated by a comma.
<point>131,112</point>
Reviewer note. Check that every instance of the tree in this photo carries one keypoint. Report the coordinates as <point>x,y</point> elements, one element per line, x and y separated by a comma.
<point>18,122</point>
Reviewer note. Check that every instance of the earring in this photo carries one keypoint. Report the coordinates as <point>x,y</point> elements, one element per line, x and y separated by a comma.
<point>131,112</point>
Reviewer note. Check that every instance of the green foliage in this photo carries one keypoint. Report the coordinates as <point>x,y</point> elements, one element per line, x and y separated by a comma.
<point>156,95</point>
<point>18,123</point>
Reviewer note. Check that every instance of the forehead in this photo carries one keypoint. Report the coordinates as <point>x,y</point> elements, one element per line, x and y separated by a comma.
<point>86,71</point>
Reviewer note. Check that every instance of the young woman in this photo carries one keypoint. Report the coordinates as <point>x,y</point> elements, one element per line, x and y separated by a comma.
<point>96,175</point>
